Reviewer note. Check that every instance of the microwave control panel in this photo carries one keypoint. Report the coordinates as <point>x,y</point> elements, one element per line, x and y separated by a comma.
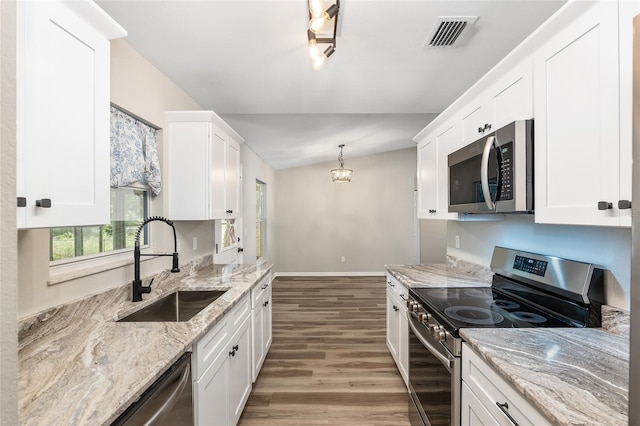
<point>506,171</point>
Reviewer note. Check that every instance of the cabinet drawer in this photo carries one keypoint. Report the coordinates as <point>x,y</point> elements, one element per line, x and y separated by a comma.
<point>258,290</point>
<point>239,313</point>
<point>398,289</point>
<point>209,347</point>
<point>491,390</point>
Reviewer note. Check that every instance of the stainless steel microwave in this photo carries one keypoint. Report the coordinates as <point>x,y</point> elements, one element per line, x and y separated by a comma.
<point>495,173</point>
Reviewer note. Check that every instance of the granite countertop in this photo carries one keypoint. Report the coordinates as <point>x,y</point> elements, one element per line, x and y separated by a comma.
<point>78,365</point>
<point>451,274</point>
<point>572,376</point>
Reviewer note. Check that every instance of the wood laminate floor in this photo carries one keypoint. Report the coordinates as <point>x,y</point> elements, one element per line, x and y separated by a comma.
<point>328,363</point>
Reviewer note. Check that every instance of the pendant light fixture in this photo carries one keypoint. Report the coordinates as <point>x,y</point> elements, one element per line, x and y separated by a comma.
<point>341,175</point>
<point>318,18</point>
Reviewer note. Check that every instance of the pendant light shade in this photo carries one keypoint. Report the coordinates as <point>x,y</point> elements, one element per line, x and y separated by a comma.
<point>341,175</point>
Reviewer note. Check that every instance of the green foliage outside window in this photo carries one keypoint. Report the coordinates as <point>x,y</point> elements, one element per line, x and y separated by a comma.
<point>129,207</point>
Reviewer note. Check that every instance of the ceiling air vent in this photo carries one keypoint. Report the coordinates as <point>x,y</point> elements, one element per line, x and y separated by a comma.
<point>449,31</point>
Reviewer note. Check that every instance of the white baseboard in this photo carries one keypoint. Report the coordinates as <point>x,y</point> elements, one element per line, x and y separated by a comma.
<point>329,274</point>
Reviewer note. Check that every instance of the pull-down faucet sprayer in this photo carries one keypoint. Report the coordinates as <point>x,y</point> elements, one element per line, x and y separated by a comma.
<point>138,288</point>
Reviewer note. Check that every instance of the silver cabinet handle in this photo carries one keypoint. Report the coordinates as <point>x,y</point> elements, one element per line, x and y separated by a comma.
<point>504,407</point>
<point>484,173</point>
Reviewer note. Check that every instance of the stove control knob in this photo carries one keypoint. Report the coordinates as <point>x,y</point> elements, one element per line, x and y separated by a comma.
<point>435,329</point>
<point>416,307</point>
<point>410,303</point>
<point>423,318</point>
<point>441,336</point>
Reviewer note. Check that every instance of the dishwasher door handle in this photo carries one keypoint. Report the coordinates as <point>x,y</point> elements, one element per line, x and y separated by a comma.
<point>175,394</point>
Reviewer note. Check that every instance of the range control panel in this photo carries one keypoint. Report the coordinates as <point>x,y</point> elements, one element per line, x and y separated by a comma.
<point>532,266</point>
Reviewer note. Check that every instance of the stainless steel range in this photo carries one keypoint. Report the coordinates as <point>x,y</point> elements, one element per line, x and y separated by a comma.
<point>528,290</point>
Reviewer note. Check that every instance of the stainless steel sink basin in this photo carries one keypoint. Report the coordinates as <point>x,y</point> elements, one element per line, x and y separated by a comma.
<point>177,306</point>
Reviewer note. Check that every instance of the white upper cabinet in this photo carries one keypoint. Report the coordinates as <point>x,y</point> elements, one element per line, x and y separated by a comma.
<point>203,167</point>
<point>433,171</point>
<point>507,100</point>
<point>578,148</point>
<point>573,76</point>
<point>63,113</point>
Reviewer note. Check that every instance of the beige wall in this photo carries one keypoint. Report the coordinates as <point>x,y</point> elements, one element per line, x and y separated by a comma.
<point>8,249</point>
<point>433,241</point>
<point>254,167</point>
<point>370,220</point>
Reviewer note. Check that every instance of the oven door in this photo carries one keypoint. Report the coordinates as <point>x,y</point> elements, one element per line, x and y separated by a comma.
<point>434,379</point>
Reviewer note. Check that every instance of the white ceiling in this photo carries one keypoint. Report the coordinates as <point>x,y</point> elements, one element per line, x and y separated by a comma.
<point>248,61</point>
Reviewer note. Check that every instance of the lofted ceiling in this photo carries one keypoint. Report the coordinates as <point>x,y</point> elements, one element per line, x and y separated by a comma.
<point>248,61</point>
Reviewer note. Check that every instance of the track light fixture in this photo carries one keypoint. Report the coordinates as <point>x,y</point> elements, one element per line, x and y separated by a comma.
<point>318,18</point>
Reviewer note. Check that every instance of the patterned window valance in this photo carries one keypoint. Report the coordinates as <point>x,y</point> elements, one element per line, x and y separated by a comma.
<point>134,153</point>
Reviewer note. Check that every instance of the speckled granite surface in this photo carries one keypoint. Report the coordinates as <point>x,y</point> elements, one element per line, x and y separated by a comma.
<point>79,367</point>
<point>453,274</point>
<point>572,376</point>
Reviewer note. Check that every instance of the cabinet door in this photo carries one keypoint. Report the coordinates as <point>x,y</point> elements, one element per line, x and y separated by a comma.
<point>232,179</point>
<point>188,171</point>
<point>62,117</point>
<point>210,396</point>
<point>217,174</point>
<point>427,178</point>
<point>576,91</point>
<point>403,345</point>
<point>475,120</point>
<point>257,337</point>
<point>511,98</point>
<point>267,335</point>
<point>628,9</point>
<point>239,372</point>
<point>392,325</point>
<point>447,141</point>
<point>473,413</point>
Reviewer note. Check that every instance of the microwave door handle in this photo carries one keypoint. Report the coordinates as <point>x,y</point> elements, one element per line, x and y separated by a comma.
<point>484,173</point>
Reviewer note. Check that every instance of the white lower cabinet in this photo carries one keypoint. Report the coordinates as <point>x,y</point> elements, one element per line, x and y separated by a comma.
<point>398,326</point>
<point>222,369</point>
<point>210,394</point>
<point>260,324</point>
<point>473,412</point>
<point>487,399</point>
<point>239,371</point>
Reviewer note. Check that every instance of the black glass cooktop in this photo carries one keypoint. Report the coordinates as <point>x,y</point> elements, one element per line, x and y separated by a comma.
<point>475,307</point>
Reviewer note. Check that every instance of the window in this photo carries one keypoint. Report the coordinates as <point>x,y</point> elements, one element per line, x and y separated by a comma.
<point>228,233</point>
<point>129,207</point>
<point>261,210</point>
<point>135,175</point>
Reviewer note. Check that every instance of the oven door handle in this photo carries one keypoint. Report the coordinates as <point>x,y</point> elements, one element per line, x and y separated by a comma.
<point>484,173</point>
<point>445,360</point>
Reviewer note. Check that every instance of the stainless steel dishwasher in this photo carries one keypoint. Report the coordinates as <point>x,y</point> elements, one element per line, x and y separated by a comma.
<point>168,401</point>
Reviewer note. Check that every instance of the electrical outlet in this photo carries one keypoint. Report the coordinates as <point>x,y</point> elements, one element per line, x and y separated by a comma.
<point>457,241</point>
<point>343,259</point>
<point>195,243</point>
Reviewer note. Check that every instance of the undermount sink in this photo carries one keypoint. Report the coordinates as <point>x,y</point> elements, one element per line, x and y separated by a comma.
<point>175,307</point>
